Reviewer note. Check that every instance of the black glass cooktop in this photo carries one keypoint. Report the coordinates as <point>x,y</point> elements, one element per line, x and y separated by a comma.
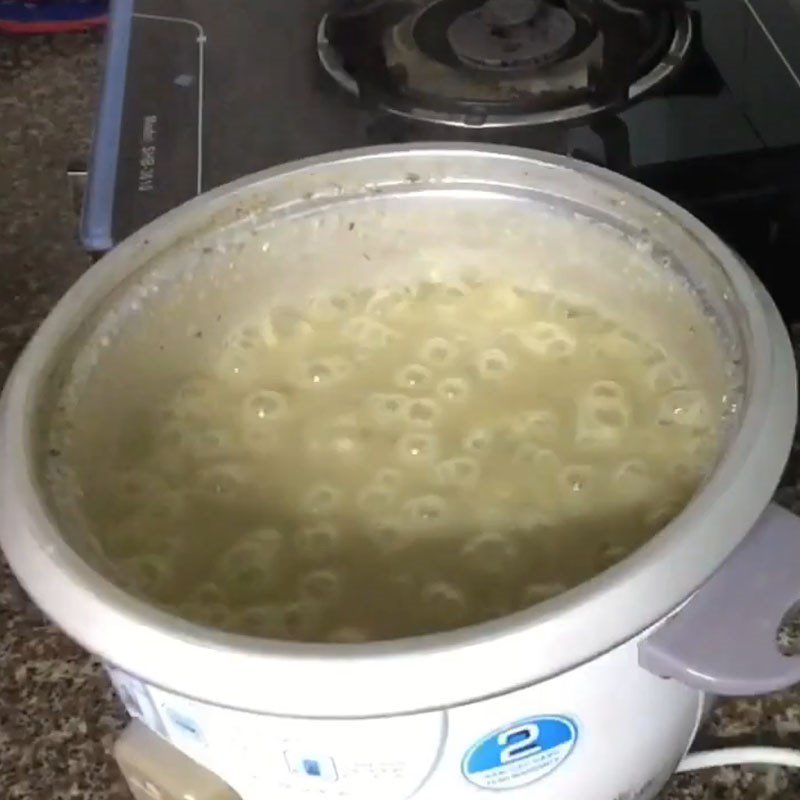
<point>703,103</point>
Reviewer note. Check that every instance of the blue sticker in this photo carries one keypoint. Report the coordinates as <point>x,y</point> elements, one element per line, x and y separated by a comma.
<point>520,753</point>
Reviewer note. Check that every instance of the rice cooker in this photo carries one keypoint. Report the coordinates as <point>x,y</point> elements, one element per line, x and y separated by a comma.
<point>597,693</point>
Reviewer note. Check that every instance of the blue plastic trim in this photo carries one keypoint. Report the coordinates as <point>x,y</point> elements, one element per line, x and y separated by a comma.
<point>98,208</point>
<point>60,12</point>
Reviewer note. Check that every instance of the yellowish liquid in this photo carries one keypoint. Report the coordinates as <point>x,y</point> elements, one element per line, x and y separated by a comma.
<point>375,465</point>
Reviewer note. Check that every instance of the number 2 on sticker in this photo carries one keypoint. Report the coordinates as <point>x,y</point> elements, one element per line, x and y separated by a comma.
<point>518,742</point>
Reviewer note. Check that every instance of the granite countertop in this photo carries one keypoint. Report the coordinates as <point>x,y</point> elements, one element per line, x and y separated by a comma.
<point>58,717</point>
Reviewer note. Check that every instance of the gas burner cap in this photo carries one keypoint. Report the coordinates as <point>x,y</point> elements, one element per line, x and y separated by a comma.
<point>509,35</point>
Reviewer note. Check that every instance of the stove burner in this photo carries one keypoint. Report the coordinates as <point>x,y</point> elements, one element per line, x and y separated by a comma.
<point>500,63</point>
<point>511,35</point>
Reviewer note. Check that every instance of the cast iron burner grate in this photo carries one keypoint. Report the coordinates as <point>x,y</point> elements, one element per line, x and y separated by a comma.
<point>500,63</point>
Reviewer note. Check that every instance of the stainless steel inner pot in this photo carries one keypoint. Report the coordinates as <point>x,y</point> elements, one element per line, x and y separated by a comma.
<point>379,216</point>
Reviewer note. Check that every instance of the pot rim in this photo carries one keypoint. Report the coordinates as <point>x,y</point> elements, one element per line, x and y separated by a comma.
<point>407,675</point>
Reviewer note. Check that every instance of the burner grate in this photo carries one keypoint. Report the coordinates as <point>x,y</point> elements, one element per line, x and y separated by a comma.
<point>502,62</point>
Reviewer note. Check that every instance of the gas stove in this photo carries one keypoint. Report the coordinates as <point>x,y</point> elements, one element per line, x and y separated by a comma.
<point>700,100</point>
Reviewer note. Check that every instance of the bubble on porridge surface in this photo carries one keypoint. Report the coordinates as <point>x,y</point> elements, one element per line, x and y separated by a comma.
<point>195,396</point>
<point>389,534</point>
<point>547,340</point>
<point>226,482</point>
<point>421,412</point>
<point>577,480</point>
<point>328,308</point>
<point>460,471</point>
<point>494,364</point>
<point>318,542</point>
<point>534,593</point>
<point>666,374</point>
<point>438,352</point>
<point>387,409</point>
<point>454,389</point>
<point>417,448</point>
<point>264,405</point>
<point>603,416</point>
<point>478,440</point>
<point>321,499</point>
<point>150,573</point>
<point>685,408</point>
<point>323,586</point>
<point>246,337</point>
<point>444,604</point>
<point>426,511</point>
<point>489,553</point>
<point>208,592</point>
<point>622,345</point>
<point>349,635</point>
<point>413,376</point>
<point>368,332</point>
<point>387,303</point>
<point>214,615</point>
<point>252,565</point>
<point>322,372</point>
<point>239,362</point>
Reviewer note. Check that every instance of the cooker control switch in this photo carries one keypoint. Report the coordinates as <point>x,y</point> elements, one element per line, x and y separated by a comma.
<point>155,770</point>
<point>311,766</point>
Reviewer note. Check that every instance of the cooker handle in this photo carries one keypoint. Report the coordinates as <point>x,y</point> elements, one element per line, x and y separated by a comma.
<point>724,640</point>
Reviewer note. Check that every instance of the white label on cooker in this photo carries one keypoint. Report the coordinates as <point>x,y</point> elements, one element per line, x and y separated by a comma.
<point>520,753</point>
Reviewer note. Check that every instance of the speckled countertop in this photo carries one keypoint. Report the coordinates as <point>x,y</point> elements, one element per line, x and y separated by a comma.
<point>58,717</point>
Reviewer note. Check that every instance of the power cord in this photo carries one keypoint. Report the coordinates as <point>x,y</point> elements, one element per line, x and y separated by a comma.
<point>739,756</point>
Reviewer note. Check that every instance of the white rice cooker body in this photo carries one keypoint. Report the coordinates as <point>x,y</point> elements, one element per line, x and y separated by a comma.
<point>607,729</point>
